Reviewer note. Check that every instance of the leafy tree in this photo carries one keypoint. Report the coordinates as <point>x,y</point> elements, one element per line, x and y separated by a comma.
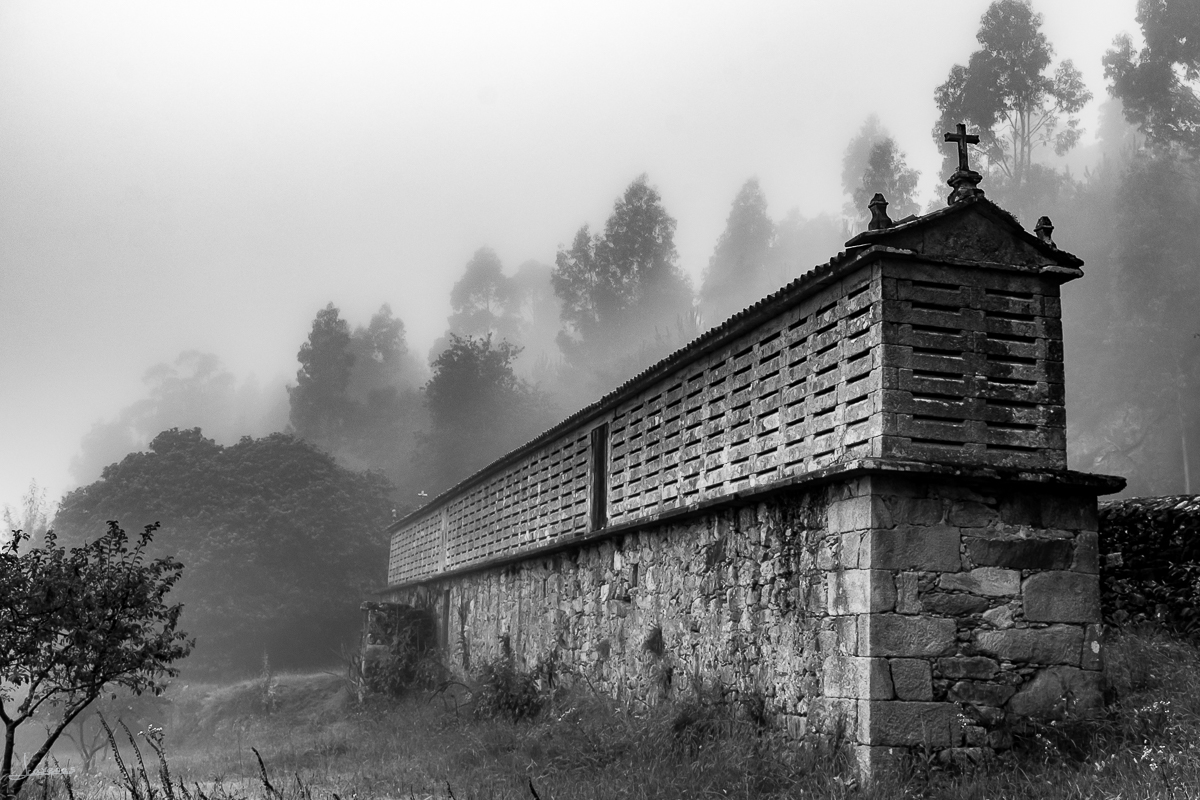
<point>318,400</point>
<point>73,622</point>
<point>356,394</point>
<point>1008,94</point>
<point>484,299</point>
<point>1158,84</point>
<point>737,269</point>
<point>622,291</point>
<point>280,541</point>
<point>478,408</point>
<point>858,153</point>
<point>889,173</point>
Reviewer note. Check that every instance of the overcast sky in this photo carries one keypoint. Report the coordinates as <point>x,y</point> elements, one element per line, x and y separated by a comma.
<point>205,176</point>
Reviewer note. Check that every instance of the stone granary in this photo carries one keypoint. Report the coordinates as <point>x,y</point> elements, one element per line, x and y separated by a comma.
<point>848,504</point>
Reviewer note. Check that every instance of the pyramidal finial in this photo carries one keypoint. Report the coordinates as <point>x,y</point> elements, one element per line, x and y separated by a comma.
<point>879,218</point>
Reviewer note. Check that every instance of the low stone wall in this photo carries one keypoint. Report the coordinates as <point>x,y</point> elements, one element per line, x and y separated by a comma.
<point>1150,547</point>
<point>893,609</point>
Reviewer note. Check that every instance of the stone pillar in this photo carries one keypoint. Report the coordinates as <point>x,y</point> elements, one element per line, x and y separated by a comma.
<point>957,610</point>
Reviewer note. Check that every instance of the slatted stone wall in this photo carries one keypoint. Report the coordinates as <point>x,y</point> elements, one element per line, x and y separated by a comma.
<point>974,370</point>
<point>795,394</point>
<point>540,499</point>
<point>899,358</point>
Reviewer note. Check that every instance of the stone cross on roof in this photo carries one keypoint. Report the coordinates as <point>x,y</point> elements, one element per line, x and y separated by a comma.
<point>965,181</point>
<point>963,139</point>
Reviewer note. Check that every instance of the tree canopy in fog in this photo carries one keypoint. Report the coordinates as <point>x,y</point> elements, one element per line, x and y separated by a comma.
<point>1007,92</point>
<point>478,410</point>
<point>356,393</point>
<point>1158,84</point>
<point>734,278</point>
<point>279,543</point>
<point>623,294</point>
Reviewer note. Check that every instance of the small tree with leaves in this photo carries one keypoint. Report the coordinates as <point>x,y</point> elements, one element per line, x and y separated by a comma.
<point>75,623</point>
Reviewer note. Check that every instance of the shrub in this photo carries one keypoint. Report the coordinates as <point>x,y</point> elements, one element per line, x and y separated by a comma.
<point>401,651</point>
<point>507,692</point>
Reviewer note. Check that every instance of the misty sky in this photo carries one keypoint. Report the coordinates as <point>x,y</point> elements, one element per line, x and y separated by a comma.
<point>205,176</point>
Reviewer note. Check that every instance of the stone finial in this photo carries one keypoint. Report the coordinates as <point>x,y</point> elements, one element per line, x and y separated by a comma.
<point>880,221</point>
<point>1044,229</point>
<point>965,184</point>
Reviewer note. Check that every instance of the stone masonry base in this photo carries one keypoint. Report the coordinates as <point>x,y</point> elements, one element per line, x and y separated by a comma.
<point>900,612</point>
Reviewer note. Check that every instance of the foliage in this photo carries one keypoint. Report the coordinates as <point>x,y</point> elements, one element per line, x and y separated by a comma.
<point>319,403</point>
<point>402,650</point>
<point>74,622</point>
<point>889,173</point>
<point>356,395</point>
<point>279,540</point>
<point>735,275</point>
<point>1007,93</point>
<point>1150,551</point>
<point>507,692</point>
<point>622,291</point>
<point>1158,84</point>
<point>478,409</point>
<point>484,299</point>
<point>858,153</point>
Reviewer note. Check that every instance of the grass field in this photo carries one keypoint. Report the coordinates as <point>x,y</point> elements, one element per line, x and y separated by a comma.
<point>315,741</point>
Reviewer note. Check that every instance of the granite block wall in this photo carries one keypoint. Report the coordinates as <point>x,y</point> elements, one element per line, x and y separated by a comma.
<point>895,611</point>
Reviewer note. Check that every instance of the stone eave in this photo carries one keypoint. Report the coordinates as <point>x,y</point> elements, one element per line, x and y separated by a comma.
<point>1068,480</point>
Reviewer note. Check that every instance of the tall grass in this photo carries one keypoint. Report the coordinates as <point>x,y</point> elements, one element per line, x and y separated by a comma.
<point>311,741</point>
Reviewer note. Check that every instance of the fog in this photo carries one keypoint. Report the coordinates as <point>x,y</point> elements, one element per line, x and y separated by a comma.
<point>204,178</point>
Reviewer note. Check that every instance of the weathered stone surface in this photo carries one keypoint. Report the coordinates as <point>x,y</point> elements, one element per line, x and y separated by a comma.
<point>1087,553</point>
<point>860,591</point>
<point>834,716</point>
<point>1058,644</point>
<point>1093,652</point>
<point>968,514</point>
<point>1021,509</point>
<point>953,605</point>
<point>856,677</point>
<point>1069,512</point>
<point>999,617</point>
<point>906,594</point>
<point>1019,553</point>
<point>1061,596</point>
<point>912,678</point>
<point>1058,692</point>
<point>898,635</point>
<point>984,694</point>
<point>899,723</point>
<point>974,667</point>
<point>853,514</point>
<point>989,581</point>
<point>915,510</point>
<point>933,549</point>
